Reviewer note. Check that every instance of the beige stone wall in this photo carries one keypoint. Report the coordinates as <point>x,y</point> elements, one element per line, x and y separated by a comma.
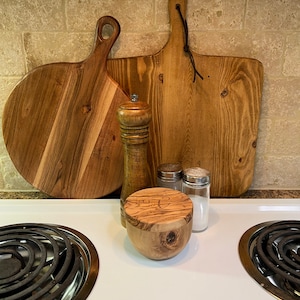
<point>34,33</point>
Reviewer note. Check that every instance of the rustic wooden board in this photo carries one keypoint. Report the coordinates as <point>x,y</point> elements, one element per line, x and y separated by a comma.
<point>60,125</point>
<point>211,123</point>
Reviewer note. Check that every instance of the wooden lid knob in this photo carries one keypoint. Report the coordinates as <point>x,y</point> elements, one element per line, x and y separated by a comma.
<point>158,209</point>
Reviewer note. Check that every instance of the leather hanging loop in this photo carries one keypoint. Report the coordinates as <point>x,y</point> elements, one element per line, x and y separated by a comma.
<point>186,47</point>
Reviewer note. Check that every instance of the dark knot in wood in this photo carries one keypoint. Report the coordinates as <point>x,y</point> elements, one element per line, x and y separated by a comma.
<point>171,237</point>
<point>224,93</point>
<point>86,109</point>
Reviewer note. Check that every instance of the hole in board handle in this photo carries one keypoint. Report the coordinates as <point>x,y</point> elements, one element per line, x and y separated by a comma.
<point>107,31</point>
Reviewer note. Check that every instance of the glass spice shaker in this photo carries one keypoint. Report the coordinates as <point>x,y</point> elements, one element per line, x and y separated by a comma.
<point>169,175</point>
<point>196,184</point>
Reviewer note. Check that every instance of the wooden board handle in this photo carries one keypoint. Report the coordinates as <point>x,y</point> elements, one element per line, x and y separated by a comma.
<point>177,30</point>
<point>102,43</point>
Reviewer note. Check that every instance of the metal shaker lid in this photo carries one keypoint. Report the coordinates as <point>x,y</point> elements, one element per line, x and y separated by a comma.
<point>169,170</point>
<point>196,175</point>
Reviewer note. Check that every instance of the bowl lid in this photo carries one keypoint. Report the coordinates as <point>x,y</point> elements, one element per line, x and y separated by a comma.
<point>158,209</point>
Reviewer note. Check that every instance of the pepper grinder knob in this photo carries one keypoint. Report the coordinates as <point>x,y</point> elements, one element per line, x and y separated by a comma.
<point>134,118</point>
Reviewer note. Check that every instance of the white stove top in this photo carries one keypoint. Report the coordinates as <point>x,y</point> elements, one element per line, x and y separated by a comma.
<point>208,268</point>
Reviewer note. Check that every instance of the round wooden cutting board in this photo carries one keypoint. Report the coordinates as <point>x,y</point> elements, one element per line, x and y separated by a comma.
<point>60,126</point>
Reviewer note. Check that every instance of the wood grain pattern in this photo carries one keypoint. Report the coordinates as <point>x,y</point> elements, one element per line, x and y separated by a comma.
<point>153,209</point>
<point>159,221</point>
<point>211,123</point>
<point>60,125</point>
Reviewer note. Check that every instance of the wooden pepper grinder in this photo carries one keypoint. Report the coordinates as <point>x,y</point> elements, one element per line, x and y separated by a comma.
<point>134,117</point>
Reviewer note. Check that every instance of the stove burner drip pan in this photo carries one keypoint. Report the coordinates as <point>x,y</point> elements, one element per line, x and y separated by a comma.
<point>270,253</point>
<point>41,261</point>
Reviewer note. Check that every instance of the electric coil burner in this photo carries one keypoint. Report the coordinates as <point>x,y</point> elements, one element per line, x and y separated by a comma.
<point>270,253</point>
<point>41,261</point>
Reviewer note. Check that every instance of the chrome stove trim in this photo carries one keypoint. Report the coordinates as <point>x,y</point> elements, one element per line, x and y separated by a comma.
<point>85,277</point>
<point>244,249</point>
<point>90,252</point>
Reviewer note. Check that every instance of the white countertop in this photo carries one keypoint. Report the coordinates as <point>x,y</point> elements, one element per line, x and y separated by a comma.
<point>208,268</point>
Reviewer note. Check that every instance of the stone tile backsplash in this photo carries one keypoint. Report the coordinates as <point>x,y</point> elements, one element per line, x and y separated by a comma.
<point>33,33</point>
